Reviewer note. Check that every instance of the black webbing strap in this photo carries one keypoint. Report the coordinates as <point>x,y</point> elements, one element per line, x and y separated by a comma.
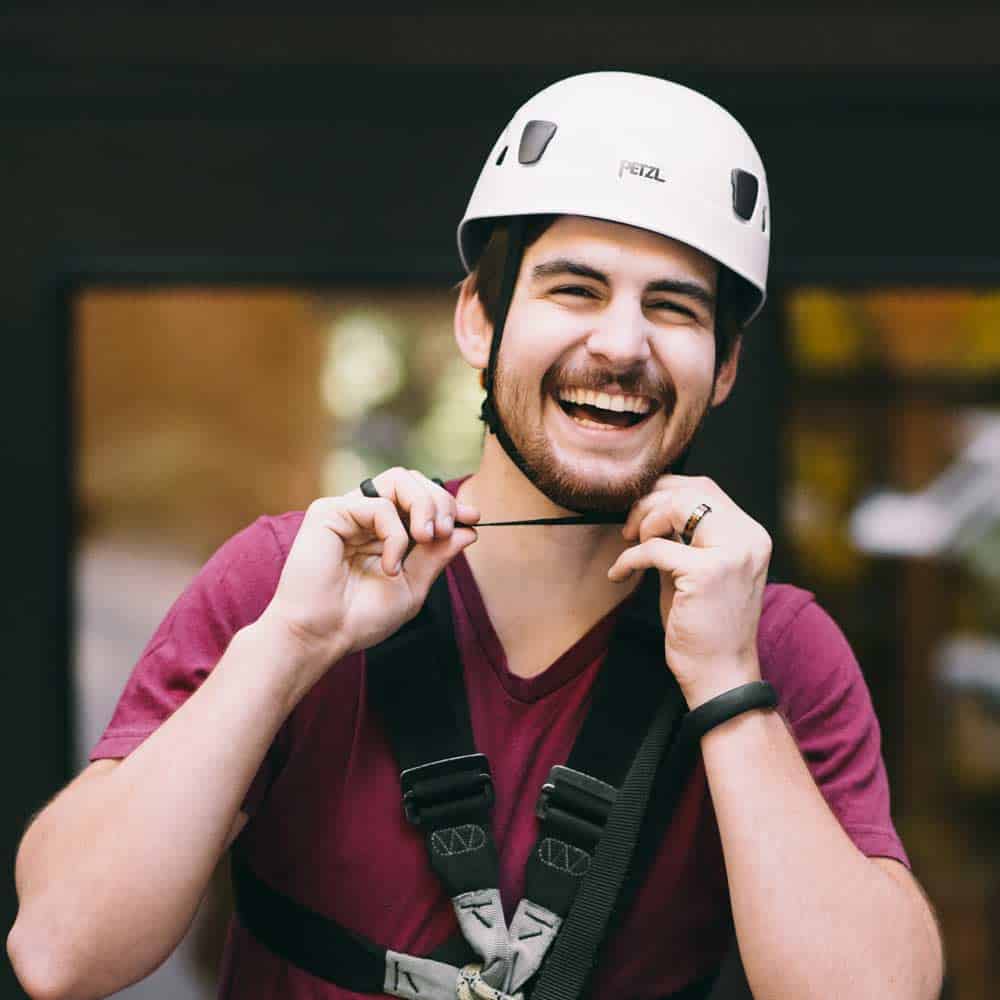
<point>573,809</point>
<point>314,942</point>
<point>632,683</point>
<point>731,982</point>
<point>591,517</point>
<point>574,954</point>
<point>302,936</point>
<point>415,682</point>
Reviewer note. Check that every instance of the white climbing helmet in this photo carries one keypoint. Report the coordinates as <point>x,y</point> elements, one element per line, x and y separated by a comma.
<point>633,149</point>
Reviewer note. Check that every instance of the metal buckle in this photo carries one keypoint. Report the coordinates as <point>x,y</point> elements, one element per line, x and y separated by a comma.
<point>454,780</point>
<point>595,792</point>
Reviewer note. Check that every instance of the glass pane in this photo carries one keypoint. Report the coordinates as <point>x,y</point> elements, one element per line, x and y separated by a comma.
<point>200,409</point>
<point>928,331</point>
<point>893,511</point>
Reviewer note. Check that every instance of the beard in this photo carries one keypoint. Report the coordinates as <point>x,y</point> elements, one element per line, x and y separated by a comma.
<point>560,482</point>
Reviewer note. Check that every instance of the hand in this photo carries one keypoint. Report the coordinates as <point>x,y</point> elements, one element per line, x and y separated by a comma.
<point>360,567</point>
<point>711,591</point>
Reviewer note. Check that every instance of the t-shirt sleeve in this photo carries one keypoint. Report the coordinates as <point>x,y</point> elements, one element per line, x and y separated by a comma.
<point>826,701</point>
<point>230,591</point>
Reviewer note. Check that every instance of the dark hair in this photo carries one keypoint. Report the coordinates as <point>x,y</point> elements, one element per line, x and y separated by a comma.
<point>732,295</point>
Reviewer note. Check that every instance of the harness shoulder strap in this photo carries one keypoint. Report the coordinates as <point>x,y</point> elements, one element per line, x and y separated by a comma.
<point>578,797</point>
<point>416,683</point>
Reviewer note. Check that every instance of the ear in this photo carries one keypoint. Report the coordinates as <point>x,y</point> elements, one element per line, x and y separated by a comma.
<point>473,331</point>
<point>727,374</point>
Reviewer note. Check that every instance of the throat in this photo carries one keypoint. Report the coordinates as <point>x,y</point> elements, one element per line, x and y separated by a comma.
<point>539,605</point>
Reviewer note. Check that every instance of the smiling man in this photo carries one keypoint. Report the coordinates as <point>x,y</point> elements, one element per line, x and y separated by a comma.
<point>424,752</point>
<point>633,400</point>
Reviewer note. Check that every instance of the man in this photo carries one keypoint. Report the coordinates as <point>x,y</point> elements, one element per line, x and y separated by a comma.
<point>618,232</point>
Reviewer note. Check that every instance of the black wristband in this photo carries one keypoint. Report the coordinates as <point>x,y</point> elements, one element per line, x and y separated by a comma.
<point>723,707</point>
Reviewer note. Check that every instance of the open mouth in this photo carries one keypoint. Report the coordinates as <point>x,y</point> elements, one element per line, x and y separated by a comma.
<point>605,410</point>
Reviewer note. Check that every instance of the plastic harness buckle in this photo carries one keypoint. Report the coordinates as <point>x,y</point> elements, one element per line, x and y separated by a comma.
<point>575,797</point>
<point>454,785</point>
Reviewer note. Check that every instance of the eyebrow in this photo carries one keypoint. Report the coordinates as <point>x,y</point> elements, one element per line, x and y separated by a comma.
<point>566,265</point>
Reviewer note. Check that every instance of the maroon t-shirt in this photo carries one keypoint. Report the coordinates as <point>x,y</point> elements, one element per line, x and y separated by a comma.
<point>326,825</point>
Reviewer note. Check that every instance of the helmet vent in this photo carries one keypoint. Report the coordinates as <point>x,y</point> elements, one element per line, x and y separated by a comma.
<point>744,193</point>
<point>503,153</point>
<point>535,137</point>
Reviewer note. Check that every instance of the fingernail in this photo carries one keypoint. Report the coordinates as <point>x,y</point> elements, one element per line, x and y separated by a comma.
<point>398,568</point>
<point>447,523</point>
<point>430,528</point>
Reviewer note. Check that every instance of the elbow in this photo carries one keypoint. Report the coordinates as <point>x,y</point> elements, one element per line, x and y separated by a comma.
<point>42,973</point>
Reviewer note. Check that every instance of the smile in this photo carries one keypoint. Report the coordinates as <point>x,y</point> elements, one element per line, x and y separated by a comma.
<point>604,410</point>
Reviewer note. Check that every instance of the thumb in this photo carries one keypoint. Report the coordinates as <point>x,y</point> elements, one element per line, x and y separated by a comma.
<point>426,561</point>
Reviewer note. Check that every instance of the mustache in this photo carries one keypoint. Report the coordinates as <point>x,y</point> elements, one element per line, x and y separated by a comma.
<point>635,383</point>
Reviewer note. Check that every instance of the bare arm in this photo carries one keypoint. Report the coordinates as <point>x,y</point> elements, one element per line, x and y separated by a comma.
<point>814,916</point>
<point>110,874</point>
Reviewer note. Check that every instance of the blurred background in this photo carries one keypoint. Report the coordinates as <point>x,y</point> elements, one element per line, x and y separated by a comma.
<point>227,267</point>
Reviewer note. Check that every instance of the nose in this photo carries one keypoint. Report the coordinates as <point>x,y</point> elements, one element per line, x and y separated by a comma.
<point>620,337</point>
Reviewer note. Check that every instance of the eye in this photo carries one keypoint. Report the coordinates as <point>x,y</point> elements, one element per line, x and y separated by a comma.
<point>581,291</point>
<point>668,305</point>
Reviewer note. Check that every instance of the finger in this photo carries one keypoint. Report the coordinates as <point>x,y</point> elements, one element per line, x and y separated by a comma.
<point>443,503</point>
<point>466,513</point>
<point>425,562</point>
<point>412,495</point>
<point>667,511</point>
<point>659,522</point>
<point>463,513</point>
<point>657,553</point>
<point>365,520</point>
<point>640,509</point>
<point>449,511</point>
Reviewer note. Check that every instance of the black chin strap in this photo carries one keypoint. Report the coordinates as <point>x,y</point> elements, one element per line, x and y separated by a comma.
<point>594,517</point>
<point>488,413</point>
<point>511,266</point>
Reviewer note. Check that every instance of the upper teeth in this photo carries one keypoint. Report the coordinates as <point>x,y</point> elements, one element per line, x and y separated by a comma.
<point>605,401</point>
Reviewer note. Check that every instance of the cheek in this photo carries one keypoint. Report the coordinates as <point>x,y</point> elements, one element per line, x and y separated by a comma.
<point>537,341</point>
<point>689,360</point>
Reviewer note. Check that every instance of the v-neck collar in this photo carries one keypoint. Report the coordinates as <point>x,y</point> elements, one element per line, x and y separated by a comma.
<point>569,664</point>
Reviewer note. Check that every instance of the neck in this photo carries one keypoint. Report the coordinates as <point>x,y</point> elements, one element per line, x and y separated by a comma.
<point>560,568</point>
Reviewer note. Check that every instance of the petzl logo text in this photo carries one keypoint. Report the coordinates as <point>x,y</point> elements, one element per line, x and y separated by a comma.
<point>649,170</point>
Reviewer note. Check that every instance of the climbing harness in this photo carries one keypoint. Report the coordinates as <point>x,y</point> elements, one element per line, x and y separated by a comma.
<point>597,832</point>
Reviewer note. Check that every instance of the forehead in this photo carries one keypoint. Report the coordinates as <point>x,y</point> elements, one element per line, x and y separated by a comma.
<point>613,246</point>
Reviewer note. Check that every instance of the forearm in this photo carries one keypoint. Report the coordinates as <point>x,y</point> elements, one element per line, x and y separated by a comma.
<point>815,918</point>
<point>110,875</point>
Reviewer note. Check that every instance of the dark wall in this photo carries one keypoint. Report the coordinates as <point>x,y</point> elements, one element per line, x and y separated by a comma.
<point>141,141</point>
